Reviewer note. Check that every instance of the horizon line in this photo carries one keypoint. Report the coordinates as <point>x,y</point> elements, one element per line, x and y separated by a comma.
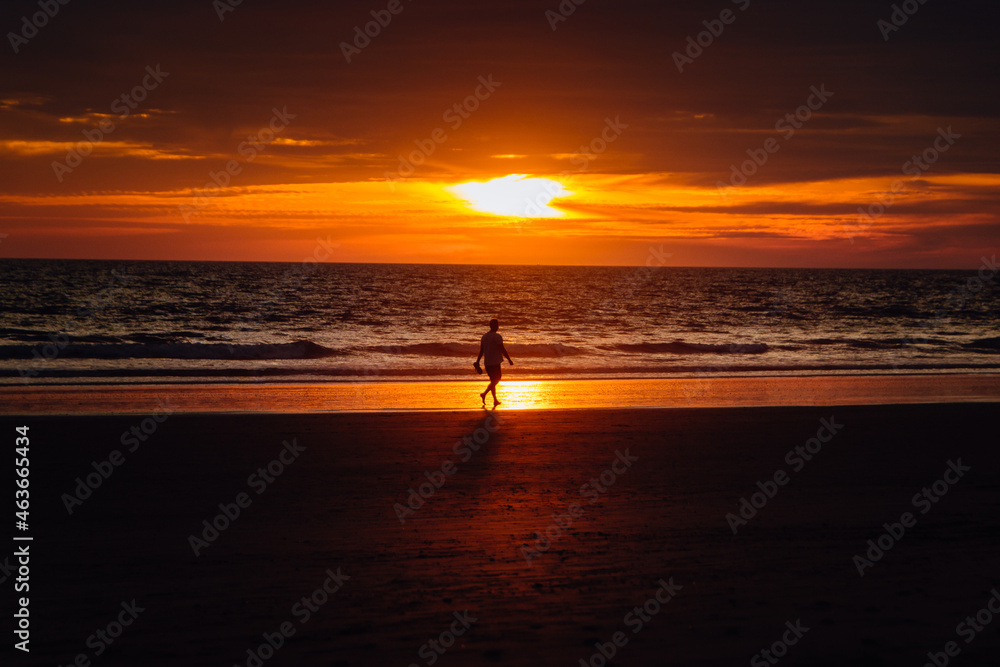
<point>579,266</point>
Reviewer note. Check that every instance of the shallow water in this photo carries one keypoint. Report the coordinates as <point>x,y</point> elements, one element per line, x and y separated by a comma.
<point>71,321</point>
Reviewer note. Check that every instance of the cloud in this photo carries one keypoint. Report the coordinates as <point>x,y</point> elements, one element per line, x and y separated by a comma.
<point>310,143</point>
<point>102,148</point>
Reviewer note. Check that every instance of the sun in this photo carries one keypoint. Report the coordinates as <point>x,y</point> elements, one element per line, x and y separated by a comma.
<point>515,196</point>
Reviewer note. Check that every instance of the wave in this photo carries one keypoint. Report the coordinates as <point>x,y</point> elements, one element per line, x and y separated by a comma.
<point>296,350</point>
<point>885,344</point>
<point>682,347</point>
<point>154,347</point>
<point>542,350</point>
<point>878,343</point>
<point>985,343</point>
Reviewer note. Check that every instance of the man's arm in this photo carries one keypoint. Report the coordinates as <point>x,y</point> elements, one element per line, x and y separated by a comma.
<point>480,352</point>
<point>503,348</point>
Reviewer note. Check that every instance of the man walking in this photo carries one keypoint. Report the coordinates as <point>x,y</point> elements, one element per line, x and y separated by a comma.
<point>491,347</point>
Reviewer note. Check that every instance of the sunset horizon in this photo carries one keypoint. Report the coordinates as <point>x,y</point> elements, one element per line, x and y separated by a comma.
<point>827,153</point>
<point>987,261</point>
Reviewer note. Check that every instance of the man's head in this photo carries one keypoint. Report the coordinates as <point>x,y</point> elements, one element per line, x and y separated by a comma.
<point>494,324</point>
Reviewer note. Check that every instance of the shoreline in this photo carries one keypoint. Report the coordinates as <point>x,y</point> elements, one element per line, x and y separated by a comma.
<point>288,375</point>
<point>386,396</point>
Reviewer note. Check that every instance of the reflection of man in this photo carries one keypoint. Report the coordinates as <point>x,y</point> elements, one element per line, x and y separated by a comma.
<point>491,347</point>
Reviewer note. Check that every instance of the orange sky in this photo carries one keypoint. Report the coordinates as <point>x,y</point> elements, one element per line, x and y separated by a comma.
<point>357,161</point>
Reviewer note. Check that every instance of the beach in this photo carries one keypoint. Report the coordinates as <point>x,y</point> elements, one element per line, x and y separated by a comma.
<point>261,268</point>
<point>688,536</point>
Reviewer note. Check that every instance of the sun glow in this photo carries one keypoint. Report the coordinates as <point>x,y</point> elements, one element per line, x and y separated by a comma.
<point>515,196</point>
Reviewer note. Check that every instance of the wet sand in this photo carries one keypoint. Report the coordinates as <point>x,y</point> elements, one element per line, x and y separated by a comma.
<point>662,516</point>
<point>701,392</point>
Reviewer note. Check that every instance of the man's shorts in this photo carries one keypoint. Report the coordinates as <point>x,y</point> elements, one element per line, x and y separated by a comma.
<point>494,372</point>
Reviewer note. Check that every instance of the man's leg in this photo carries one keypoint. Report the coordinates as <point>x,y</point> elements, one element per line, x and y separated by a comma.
<point>486,391</point>
<point>494,380</point>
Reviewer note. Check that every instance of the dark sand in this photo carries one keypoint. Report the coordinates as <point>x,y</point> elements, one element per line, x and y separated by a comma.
<point>663,518</point>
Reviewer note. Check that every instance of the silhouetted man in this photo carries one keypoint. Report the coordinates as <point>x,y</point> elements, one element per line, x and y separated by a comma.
<point>491,347</point>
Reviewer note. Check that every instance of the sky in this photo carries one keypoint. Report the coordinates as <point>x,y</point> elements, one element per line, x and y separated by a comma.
<point>726,133</point>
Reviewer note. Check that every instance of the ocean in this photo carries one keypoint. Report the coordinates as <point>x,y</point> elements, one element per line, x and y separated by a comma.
<point>75,321</point>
